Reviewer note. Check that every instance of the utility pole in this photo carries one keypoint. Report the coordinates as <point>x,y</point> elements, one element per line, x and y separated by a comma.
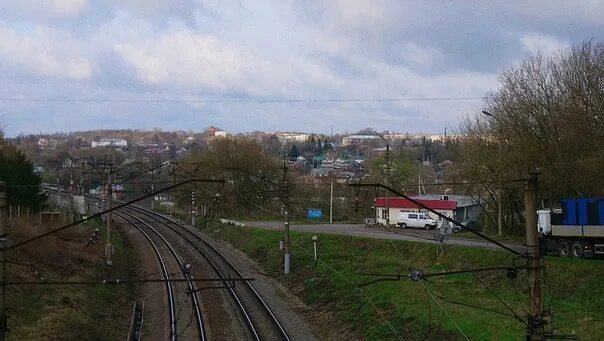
<point>3,238</point>
<point>331,202</point>
<point>387,180</point>
<point>109,190</point>
<point>193,208</point>
<point>536,323</point>
<point>58,191</point>
<point>81,189</point>
<point>286,246</point>
<point>152,198</point>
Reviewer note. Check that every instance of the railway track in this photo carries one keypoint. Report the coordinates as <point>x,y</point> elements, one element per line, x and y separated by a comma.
<point>137,321</point>
<point>190,289</point>
<point>261,322</point>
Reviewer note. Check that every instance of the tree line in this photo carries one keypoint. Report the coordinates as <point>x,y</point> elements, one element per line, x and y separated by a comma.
<point>548,114</point>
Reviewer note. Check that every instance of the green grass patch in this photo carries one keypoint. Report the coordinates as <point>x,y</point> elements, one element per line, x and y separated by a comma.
<point>389,309</point>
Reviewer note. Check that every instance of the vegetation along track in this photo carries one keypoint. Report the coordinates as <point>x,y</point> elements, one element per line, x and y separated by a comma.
<point>259,318</point>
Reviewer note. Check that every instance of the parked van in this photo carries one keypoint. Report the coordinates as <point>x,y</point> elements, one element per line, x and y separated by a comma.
<point>415,219</point>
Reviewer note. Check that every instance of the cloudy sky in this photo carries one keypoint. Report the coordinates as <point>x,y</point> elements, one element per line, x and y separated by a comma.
<point>68,65</point>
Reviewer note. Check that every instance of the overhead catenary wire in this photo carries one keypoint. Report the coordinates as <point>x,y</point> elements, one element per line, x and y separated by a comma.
<point>77,223</point>
<point>444,310</point>
<point>240,100</point>
<point>357,287</point>
<point>421,205</point>
<point>513,313</point>
<point>445,299</point>
<point>499,299</point>
<point>465,183</point>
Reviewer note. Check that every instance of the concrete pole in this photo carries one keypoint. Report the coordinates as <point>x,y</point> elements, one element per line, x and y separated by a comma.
<point>108,245</point>
<point>287,256</point>
<point>58,191</point>
<point>153,197</point>
<point>286,244</point>
<point>331,203</point>
<point>193,210</point>
<point>536,324</point>
<point>3,238</point>
<point>387,184</point>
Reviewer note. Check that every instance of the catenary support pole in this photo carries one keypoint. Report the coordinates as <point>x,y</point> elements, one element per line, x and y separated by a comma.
<point>3,238</point>
<point>331,203</point>
<point>286,244</point>
<point>108,245</point>
<point>387,184</point>
<point>193,208</point>
<point>536,324</point>
<point>152,198</point>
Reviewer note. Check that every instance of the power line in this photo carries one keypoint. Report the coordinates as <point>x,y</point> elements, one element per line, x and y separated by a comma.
<point>443,310</point>
<point>357,287</point>
<point>500,300</point>
<point>467,183</point>
<point>470,305</point>
<point>258,101</point>
<point>421,205</point>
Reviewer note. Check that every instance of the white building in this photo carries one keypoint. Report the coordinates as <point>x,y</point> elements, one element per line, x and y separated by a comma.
<point>352,140</point>
<point>292,137</point>
<point>110,142</point>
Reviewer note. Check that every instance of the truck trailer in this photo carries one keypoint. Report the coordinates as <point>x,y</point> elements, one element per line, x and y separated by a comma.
<point>574,230</point>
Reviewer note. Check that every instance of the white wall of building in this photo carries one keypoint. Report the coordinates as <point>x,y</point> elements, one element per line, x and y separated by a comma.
<point>394,213</point>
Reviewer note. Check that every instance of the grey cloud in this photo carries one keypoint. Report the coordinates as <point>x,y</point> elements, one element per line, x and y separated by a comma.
<point>270,49</point>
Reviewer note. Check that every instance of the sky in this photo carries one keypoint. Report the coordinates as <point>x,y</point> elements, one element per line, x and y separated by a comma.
<point>69,65</point>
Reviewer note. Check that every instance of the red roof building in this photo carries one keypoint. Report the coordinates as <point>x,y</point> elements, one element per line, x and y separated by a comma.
<point>395,202</point>
<point>397,205</point>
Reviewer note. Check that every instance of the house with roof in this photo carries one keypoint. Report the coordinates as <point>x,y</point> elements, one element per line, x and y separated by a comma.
<point>461,208</point>
<point>398,205</point>
<point>468,208</point>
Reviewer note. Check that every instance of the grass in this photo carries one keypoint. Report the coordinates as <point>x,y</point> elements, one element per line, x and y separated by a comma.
<point>505,238</point>
<point>51,312</point>
<point>390,309</point>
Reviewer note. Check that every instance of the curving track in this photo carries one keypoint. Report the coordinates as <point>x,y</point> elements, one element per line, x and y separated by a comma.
<point>261,322</point>
<point>171,288</point>
<point>174,334</point>
<point>256,316</point>
<point>166,275</point>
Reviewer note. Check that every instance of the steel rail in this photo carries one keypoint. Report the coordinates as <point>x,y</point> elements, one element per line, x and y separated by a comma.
<point>216,268</point>
<point>170,290</point>
<point>191,285</point>
<point>229,264</point>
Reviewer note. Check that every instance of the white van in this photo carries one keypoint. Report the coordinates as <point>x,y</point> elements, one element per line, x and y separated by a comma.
<point>415,219</point>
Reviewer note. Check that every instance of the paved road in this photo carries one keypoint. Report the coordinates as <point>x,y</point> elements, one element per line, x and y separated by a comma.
<point>359,230</point>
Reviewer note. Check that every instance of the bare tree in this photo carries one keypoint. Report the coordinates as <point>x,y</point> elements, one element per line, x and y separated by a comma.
<point>548,113</point>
